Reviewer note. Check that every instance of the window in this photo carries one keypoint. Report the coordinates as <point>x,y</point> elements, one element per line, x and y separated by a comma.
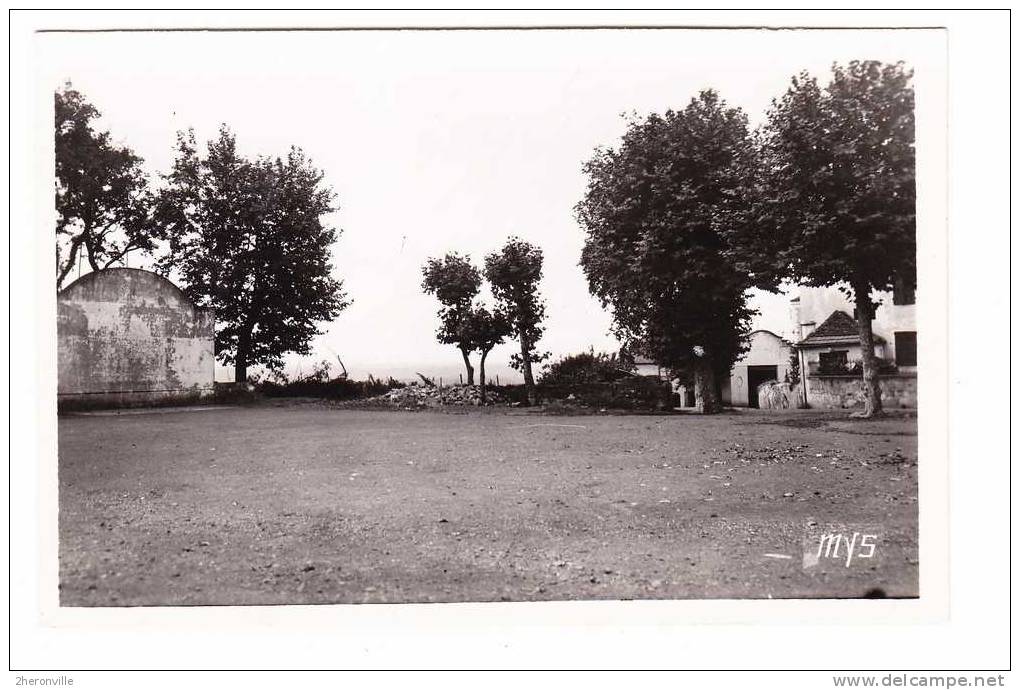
<point>906,348</point>
<point>903,291</point>
<point>832,362</point>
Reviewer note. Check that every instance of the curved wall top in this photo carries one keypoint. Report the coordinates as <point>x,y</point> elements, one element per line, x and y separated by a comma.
<point>129,331</point>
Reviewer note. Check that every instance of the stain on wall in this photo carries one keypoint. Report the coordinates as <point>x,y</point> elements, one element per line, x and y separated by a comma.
<point>128,336</point>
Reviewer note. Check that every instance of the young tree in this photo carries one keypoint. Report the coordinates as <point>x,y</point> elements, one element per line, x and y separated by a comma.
<point>247,238</point>
<point>102,197</point>
<point>657,251</point>
<point>485,330</point>
<point>455,282</point>
<point>514,273</point>
<point>841,191</point>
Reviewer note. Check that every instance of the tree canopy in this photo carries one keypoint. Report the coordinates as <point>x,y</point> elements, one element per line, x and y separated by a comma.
<point>839,189</point>
<point>102,197</point>
<point>455,282</point>
<point>840,174</point>
<point>514,273</point>
<point>247,237</point>
<point>658,251</point>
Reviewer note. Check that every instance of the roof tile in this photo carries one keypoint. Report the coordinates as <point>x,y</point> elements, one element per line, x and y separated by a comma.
<point>840,327</point>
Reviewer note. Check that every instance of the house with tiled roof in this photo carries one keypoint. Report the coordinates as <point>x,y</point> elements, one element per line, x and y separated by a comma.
<point>816,359</point>
<point>827,341</point>
<point>835,345</point>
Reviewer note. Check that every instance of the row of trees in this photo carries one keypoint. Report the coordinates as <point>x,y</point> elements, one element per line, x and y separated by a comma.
<point>684,217</point>
<point>244,236</point>
<point>694,208</point>
<point>513,274</point>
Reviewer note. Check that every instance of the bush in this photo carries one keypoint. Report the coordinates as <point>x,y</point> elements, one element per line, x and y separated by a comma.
<point>318,384</point>
<point>587,367</point>
<point>233,394</point>
<point>854,368</point>
<point>885,366</point>
<point>335,389</point>
<point>630,393</point>
<point>793,371</point>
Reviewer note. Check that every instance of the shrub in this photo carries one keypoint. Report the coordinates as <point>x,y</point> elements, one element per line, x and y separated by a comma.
<point>793,371</point>
<point>587,367</point>
<point>885,366</point>
<point>629,393</point>
<point>318,384</point>
<point>854,368</point>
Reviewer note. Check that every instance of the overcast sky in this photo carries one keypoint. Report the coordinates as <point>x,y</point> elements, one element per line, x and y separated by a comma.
<point>438,141</point>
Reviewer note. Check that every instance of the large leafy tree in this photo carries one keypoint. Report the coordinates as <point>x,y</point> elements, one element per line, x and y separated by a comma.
<point>514,273</point>
<point>455,282</point>
<point>839,201</point>
<point>102,198</point>
<point>247,237</point>
<point>658,251</point>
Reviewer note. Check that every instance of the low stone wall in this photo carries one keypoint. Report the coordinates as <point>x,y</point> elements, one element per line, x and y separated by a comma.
<point>835,392</point>
<point>774,395</point>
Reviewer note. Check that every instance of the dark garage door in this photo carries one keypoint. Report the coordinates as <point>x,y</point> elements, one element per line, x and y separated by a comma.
<point>757,375</point>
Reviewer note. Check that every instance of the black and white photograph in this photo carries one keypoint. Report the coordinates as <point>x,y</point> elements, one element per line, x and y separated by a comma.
<point>493,315</point>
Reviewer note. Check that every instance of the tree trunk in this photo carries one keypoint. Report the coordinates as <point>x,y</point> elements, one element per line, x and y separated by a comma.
<point>241,359</point>
<point>90,249</point>
<point>872,389</point>
<point>481,375</point>
<point>467,365</point>
<point>706,398</point>
<point>240,370</point>
<point>529,380</point>
<point>71,259</point>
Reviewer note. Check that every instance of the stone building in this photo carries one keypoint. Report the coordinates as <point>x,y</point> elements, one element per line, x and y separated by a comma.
<point>127,336</point>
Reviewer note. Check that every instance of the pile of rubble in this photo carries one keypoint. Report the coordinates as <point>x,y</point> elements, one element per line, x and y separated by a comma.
<point>416,395</point>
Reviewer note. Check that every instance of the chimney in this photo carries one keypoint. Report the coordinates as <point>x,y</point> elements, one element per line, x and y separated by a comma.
<point>795,331</point>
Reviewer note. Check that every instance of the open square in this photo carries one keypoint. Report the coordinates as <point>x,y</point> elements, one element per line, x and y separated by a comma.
<point>303,503</point>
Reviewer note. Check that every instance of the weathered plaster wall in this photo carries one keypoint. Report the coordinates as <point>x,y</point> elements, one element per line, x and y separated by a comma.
<point>835,392</point>
<point>734,390</point>
<point>127,335</point>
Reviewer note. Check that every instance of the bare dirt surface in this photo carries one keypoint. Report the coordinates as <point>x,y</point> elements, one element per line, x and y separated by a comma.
<point>304,504</point>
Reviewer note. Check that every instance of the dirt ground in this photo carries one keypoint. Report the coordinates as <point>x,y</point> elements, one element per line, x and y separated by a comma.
<point>306,504</point>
